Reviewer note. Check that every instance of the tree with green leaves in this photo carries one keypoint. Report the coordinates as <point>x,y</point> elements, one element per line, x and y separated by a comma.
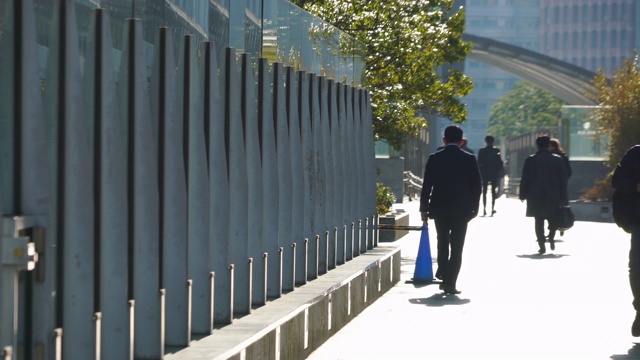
<point>619,113</point>
<point>524,109</point>
<point>406,41</point>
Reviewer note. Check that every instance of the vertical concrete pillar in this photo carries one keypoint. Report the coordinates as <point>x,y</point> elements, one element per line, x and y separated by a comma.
<point>271,199</point>
<point>219,200</point>
<point>353,169</point>
<point>285,180</point>
<point>198,263</point>
<point>142,190</point>
<point>169,110</point>
<point>329,182</point>
<point>346,172</point>
<point>238,186</point>
<point>254,180</point>
<point>308,169</point>
<point>319,177</point>
<point>297,190</point>
<point>338,178</point>
<point>370,166</point>
<point>110,192</point>
<point>360,168</point>
<point>73,184</point>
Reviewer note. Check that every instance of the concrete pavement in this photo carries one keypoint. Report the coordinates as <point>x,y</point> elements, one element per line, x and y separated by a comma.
<point>571,303</point>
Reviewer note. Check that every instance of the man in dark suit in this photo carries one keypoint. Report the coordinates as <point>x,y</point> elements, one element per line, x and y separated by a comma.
<point>544,186</point>
<point>451,197</point>
<point>626,211</point>
<point>491,166</point>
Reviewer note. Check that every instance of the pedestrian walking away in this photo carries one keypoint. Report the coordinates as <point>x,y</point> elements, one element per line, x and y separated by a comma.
<point>626,211</point>
<point>451,197</point>
<point>544,186</point>
<point>491,169</point>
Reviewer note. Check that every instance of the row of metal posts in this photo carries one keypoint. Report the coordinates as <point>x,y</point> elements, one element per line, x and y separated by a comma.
<point>169,205</point>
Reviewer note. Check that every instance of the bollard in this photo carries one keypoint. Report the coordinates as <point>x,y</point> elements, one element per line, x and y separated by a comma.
<point>132,322</point>
<point>231,291</point>
<point>293,267</point>
<point>97,318</point>
<point>335,247</point>
<point>265,261</point>
<point>212,292</point>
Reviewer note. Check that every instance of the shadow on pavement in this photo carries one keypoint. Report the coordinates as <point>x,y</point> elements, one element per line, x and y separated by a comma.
<point>541,257</point>
<point>440,299</point>
<point>632,354</point>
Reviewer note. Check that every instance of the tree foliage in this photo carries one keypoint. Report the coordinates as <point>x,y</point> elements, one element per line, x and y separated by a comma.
<point>524,109</point>
<point>619,114</point>
<point>405,41</point>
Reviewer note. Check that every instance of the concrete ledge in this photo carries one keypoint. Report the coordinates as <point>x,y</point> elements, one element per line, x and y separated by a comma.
<point>591,211</point>
<point>395,218</point>
<point>293,326</point>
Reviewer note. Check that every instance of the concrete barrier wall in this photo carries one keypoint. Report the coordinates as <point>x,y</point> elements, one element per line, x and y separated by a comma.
<point>177,195</point>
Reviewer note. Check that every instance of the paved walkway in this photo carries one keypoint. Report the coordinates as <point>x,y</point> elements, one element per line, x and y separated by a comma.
<point>571,303</point>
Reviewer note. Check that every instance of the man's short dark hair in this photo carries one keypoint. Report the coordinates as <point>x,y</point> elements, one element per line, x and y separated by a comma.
<point>489,139</point>
<point>453,134</point>
<point>543,142</point>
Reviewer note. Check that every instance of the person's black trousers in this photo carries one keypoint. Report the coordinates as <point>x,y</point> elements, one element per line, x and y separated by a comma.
<point>451,232</point>
<point>495,186</point>
<point>634,266</point>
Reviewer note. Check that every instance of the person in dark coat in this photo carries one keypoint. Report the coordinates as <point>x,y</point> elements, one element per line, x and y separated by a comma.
<point>451,197</point>
<point>544,186</point>
<point>491,167</point>
<point>626,180</point>
<point>556,148</point>
<point>466,148</point>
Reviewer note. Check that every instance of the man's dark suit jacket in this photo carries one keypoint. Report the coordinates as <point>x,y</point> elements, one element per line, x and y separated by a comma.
<point>451,184</point>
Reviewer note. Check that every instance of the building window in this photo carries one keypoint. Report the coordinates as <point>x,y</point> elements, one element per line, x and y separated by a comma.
<point>585,40</point>
<point>565,14</point>
<point>556,14</point>
<point>614,39</point>
<point>556,40</point>
<point>605,14</point>
<point>613,62</point>
<point>547,41</point>
<point>583,62</point>
<point>603,63</point>
<point>614,12</point>
<point>623,38</point>
<point>594,64</point>
<point>547,15</point>
<point>574,42</point>
<point>603,39</point>
<point>594,13</point>
<point>565,41</point>
<point>594,39</point>
<point>575,14</point>
<point>585,13</point>
<point>625,12</point>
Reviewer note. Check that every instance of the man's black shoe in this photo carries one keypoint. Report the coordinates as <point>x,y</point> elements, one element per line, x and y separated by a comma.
<point>552,244</point>
<point>543,249</point>
<point>635,328</point>
<point>451,291</point>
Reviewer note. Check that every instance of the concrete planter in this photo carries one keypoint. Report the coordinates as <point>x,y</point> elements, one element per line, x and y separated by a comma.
<point>591,211</point>
<point>393,218</point>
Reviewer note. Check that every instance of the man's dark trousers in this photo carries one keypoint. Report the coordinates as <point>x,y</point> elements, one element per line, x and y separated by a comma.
<point>634,266</point>
<point>451,231</point>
